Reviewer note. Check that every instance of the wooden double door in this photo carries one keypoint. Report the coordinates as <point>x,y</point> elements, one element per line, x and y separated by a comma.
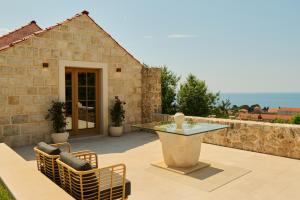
<point>82,100</point>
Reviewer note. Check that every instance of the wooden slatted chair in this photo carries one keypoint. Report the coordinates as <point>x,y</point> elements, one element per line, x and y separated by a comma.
<point>46,160</point>
<point>107,183</point>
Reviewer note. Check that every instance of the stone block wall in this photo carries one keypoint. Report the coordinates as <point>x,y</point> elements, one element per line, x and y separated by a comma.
<point>27,89</point>
<point>269,138</point>
<point>151,93</point>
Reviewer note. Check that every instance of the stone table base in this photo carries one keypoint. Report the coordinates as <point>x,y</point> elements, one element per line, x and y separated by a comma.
<point>180,151</point>
<point>181,170</point>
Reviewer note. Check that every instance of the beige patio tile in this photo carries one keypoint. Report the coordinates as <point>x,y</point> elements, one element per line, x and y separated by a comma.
<point>245,176</point>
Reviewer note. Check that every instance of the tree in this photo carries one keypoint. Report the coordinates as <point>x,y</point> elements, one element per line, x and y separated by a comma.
<point>246,107</point>
<point>194,99</point>
<point>296,119</point>
<point>234,107</point>
<point>169,81</point>
<point>224,108</point>
<point>251,109</point>
<point>265,109</point>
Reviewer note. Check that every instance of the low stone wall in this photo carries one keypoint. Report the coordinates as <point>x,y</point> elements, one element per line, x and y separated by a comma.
<point>269,138</point>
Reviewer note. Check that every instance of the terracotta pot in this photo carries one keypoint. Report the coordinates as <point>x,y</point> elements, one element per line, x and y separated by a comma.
<point>60,137</point>
<point>116,131</point>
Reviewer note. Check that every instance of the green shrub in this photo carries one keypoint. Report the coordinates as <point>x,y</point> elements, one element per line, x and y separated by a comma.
<point>296,119</point>
<point>117,112</point>
<point>57,115</point>
<point>281,121</point>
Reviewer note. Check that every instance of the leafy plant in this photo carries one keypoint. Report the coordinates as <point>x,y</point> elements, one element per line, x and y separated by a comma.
<point>169,81</point>
<point>57,116</point>
<point>117,112</point>
<point>281,121</point>
<point>223,109</point>
<point>5,193</point>
<point>194,99</point>
<point>253,107</point>
<point>246,107</point>
<point>296,119</point>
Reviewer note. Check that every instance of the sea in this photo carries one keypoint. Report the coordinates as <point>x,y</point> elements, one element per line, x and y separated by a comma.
<point>272,100</point>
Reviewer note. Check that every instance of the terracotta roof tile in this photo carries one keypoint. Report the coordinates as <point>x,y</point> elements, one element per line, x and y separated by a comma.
<point>290,109</point>
<point>19,33</point>
<point>273,110</point>
<point>264,116</point>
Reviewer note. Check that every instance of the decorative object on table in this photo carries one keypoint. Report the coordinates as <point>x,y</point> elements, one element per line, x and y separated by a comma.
<point>57,116</point>
<point>179,119</point>
<point>117,114</point>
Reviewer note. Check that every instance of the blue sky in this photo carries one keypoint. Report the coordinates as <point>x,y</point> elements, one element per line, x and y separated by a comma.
<point>235,46</point>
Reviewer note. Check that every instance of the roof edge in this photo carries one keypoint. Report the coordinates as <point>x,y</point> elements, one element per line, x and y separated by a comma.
<point>15,30</point>
<point>84,12</point>
<point>114,40</point>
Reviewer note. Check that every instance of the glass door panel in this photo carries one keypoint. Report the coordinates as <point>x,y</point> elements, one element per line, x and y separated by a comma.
<point>91,97</point>
<point>68,88</point>
<point>91,114</point>
<point>86,100</point>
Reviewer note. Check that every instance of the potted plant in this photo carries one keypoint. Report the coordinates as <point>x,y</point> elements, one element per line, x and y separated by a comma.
<point>117,113</point>
<point>57,116</point>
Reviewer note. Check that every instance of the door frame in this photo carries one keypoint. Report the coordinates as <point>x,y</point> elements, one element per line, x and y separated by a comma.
<point>75,110</point>
<point>103,88</point>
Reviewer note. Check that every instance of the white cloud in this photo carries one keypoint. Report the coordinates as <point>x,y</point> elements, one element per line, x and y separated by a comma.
<point>148,36</point>
<point>174,36</point>
<point>3,31</point>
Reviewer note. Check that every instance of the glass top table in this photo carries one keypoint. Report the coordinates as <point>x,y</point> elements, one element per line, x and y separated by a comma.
<point>188,128</point>
<point>181,146</point>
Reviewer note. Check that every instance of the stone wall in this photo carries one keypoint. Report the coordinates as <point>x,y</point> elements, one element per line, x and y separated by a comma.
<point>269,138</point>
<point>26,89</point>
<point>151,93</point>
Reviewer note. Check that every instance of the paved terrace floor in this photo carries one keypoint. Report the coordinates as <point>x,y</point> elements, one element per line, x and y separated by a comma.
<point>233,174</point>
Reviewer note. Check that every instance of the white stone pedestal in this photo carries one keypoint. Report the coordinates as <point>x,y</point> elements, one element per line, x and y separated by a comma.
<point>181,153</point>
<point>180,150</point>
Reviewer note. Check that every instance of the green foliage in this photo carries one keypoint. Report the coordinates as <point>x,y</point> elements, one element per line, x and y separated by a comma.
<point>296,119</point>
<point>117,112</point>
<point>223,108</point>
<point>246,107</point>
<point>235,107</point>
<point>281,121</point>
<point>5,193</point>
<point>57,116</point>
<point>234,110</point>
<point>265,109</point>
<point>169,81</point>
<point>251,108</point>
<point>194,99</point>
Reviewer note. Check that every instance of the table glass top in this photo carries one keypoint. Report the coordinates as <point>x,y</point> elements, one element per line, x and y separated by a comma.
<point>189,128</point>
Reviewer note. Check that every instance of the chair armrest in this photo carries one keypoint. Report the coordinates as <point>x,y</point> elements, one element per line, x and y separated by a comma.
<point>88,156</point>
<point>104,183</point>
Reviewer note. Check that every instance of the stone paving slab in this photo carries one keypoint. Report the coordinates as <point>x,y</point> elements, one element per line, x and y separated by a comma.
<point>245,176</point>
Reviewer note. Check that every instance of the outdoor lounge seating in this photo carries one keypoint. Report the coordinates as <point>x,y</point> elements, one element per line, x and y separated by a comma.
<point>81,178</point>
<point>46,156</point>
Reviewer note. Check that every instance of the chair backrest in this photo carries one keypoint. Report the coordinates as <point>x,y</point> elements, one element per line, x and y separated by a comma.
<point>47,163</point>
<point>106,183</point>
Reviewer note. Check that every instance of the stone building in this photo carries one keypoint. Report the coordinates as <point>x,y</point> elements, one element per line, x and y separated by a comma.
<point>75,61</point>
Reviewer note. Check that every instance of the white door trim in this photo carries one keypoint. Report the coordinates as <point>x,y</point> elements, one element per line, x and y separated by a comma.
<point>103,87</point>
